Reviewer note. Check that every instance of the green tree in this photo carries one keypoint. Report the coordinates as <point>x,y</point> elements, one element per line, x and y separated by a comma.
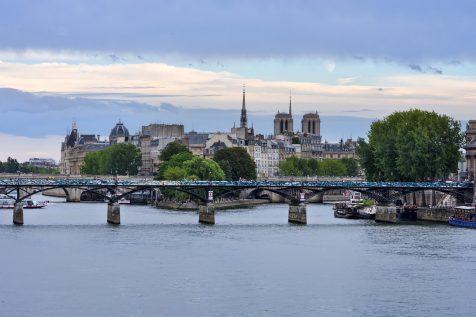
<point>94,164</point>
<point>289,167</point>
<point>303,167</point>
<point>351,165</point>
<point>123,159</point>
<point>175,160</point>
<point>120,159</point>
<point>171,149</point>
<point>413,145</point>
<point>293,166</point>
<point>236,163</point>
<point>314,168</point>
<point>11,165</point>
<point>203,169</point>
<point>175,173</point>
<point>333,168</point>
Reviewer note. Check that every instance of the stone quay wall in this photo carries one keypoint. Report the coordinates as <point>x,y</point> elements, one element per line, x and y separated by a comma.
<point>434,214</point>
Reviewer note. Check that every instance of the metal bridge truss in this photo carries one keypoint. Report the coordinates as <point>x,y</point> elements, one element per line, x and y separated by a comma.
<point>113,190</point>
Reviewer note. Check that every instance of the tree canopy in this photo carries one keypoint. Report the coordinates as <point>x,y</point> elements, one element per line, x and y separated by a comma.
<point>236,163</point>
<point>183,165</point>
<point>412,145</point>
<point>203,169</point>
<point>176,160</point>
<point>117,159</point>
<point>11,165</point>
<point>293,166</point>
<point>171,149</point>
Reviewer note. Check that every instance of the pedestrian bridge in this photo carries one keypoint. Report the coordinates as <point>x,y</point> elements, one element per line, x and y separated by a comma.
<point>297,193</point>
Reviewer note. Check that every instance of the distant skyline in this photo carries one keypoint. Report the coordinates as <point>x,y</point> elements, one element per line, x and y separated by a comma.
<point>131,61</point>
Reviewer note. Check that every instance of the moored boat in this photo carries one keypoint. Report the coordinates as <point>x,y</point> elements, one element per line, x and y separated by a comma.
<point>33,204</point>
<point>343,210</point>
<point>367,212</point>
<point>7,202</point>
<point>463,216</point>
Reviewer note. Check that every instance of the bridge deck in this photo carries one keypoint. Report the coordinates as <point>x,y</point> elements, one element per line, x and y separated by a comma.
<point>107,183</point>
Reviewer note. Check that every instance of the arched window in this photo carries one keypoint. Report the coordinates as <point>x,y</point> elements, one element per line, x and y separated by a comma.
<point>314,127</point>
<point>286,125</point>
<point>281,129</point>
<point>309,127</point>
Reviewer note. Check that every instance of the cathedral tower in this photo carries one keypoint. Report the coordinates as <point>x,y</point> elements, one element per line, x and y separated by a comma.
<point>283,122</point>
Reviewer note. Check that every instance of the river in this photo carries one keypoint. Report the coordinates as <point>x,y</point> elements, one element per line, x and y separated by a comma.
<point>66,261</point>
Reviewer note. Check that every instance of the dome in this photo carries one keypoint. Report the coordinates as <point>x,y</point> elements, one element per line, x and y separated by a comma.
<point>119,131</point>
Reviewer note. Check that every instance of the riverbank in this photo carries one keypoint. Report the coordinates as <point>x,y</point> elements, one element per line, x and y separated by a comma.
<point>191,205</point>
<point>438,214</point>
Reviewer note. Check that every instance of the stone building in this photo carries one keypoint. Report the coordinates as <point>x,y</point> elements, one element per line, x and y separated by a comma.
<point>470,148</point>
<point>218,141</point>
<point>74,149</point>
<point>152,139</point>
<point>196,142</point>
<point>283,122</point>
<point>339,150</point>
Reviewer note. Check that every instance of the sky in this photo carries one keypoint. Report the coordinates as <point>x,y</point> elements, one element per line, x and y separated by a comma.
<point>97,62</point>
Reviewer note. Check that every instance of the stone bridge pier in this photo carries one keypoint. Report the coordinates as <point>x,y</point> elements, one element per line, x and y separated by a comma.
<point>18,206</point>
<point>206,210</point>
<point>297,211</point>
<point>113,213</point>
<point>18,213</point>
<point>206,213</point>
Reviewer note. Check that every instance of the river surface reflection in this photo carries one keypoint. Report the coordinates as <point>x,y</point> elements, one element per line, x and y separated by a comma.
<point>66,261</point>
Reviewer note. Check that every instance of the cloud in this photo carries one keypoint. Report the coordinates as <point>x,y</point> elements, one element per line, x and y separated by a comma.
<point>435,70</point>
<point>83,89</point>
<point>236,28</point>
<point>415,67</point>
<point>346,80</point>
<point>427,69</point>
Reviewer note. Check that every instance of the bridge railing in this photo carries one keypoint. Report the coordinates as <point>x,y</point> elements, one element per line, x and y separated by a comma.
<point>25,182</point>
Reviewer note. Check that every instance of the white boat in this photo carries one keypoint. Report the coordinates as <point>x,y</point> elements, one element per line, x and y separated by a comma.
<point>6,202</point>
<point>367,212</point>
<point>33,204</point>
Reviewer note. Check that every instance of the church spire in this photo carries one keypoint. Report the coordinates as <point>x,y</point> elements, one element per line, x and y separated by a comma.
<point>243,118</point>
<point>290,112</point>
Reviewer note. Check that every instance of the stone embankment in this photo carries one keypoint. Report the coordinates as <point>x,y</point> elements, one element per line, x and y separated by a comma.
<point>191,205</point>
<point>435,214</point>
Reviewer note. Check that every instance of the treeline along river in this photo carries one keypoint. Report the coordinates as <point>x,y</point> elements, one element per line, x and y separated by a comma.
<point>66,261</point>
